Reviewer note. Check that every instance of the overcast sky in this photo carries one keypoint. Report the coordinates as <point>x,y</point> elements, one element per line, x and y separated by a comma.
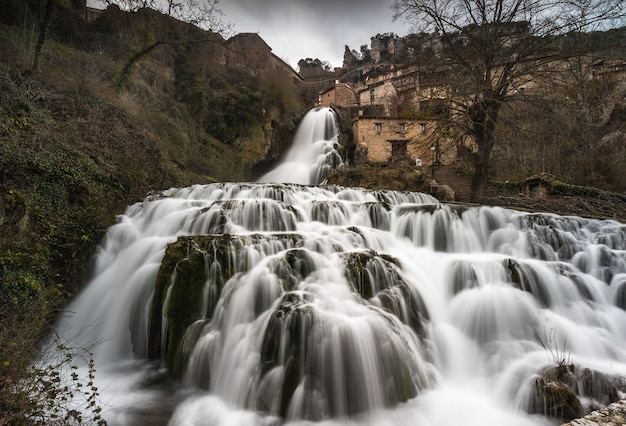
<point>297,29</point>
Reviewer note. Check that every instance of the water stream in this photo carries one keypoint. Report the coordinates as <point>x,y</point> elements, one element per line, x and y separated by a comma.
<point>340,306</point>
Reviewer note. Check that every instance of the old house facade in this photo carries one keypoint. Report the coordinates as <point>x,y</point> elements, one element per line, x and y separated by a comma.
<point>341,94</point>
<point>379,98</point>
<point>391,139</point>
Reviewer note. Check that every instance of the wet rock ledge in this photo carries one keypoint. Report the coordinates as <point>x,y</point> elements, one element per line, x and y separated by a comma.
<point>611,415</point>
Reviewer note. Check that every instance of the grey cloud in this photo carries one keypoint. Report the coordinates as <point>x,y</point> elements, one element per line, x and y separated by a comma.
<point>299,29</point>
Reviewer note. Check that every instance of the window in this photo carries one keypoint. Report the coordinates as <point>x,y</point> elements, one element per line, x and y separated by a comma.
<point>401,128</point>
<point>423,127</point>
<point>371,95</point>
<point>379,127</point>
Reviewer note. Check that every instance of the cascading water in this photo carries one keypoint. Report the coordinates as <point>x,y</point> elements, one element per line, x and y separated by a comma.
<point>259,304</point>
<point>312,155</point>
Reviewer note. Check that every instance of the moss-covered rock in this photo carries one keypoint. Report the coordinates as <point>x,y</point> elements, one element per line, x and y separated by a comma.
<point>192,275</point>
<point>526,279</point>
<point>566,391</point>
<point>284,343</point>
<point>373,177</point>
<point>188,287</point>
<point>462,277</point>
<point>293,268</point>
<point>321,358</point>
<point>375,278</point>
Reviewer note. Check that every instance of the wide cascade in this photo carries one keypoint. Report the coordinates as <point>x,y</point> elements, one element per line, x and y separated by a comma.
<point>279,303</point>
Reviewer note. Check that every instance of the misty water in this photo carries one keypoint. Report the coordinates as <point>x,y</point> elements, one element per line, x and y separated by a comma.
<point>351,307</point>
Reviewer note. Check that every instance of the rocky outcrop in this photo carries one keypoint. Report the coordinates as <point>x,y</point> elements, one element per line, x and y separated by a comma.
<point>611,415</point>
<point>304,345</point>
<point>566,392</point>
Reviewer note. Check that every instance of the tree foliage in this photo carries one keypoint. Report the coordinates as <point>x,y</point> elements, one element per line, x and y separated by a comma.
<point>493,47</point>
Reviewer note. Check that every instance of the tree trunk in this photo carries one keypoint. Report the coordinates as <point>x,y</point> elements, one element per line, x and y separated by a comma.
<point>44,24</point>
<point>484,117</point>
<point>481,169</point>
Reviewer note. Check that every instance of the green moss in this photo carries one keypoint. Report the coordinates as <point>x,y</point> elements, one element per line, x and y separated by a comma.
<point>255,145</point>
<point>188,266</point>
<point>184,303</point>
<point>380,177</point>
<point>286,337</point>
<point>19,287</point>
<point>371,274</point>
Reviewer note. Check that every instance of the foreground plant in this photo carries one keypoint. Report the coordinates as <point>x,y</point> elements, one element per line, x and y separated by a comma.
<point>58,389</point>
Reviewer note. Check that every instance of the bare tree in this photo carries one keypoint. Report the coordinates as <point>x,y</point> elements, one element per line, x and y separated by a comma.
<point>493,47</point>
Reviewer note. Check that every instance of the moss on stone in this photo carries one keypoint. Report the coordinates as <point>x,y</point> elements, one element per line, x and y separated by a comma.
<point>285,337</point>
<point>527,279</point>
<point>560,401</point>
<point>375,275</point>
<point>189,265</point>
<point>180,288</point>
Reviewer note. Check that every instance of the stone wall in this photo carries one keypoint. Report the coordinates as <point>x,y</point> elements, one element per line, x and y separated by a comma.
<point>383,93</point>
<point>250,52</point>
<point>339,94</point>
<point>372,135</point>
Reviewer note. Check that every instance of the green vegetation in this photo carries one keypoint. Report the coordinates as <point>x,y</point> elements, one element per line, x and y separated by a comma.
<point>370,177</point>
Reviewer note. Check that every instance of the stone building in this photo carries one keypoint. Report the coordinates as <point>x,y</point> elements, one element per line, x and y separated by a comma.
<point>391,126</point>
<point>538,186</point>
<point>379,98</point>
<point>340,94</point>
<point>385,139</point>
<point>250,52</point>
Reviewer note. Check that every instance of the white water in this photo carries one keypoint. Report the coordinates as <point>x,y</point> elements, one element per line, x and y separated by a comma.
<point>312,155</point>
<point>445,313</point>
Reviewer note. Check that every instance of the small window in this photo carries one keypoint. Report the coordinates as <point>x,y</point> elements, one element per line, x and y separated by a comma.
<point>372,95</point>
<point>423,127</point>
<point>379,127</point>
<point>401,128</point>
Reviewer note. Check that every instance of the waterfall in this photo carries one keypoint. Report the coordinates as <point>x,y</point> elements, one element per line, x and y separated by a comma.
<point>312,155</point>
<point>279,303</point>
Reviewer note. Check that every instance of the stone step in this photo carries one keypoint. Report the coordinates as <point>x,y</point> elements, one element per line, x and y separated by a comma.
<point>461,185</point>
